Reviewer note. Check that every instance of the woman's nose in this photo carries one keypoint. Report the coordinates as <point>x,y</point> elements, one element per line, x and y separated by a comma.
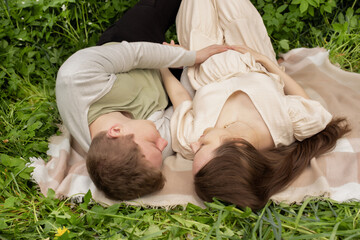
<point>207,130</point>
<point>195,146</point>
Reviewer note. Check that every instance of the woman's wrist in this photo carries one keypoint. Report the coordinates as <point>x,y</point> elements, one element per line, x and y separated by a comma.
<point>270,65</point>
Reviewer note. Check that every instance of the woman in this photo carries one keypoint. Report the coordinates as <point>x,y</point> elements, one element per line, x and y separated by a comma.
<point>250,128</point>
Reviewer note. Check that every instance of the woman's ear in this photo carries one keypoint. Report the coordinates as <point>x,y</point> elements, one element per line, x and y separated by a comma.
<point>115,131</point>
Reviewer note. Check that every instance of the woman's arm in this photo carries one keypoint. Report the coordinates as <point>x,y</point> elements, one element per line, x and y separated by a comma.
<point>291,86</point>
<point>173,87</point>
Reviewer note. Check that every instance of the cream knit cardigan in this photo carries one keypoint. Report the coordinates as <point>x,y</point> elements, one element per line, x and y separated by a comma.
<point>89,74</point>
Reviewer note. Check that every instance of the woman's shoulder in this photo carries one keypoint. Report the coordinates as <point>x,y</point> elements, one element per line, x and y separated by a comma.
<point>308,116</point>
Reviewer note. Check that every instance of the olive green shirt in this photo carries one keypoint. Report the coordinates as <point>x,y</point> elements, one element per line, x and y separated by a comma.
<point>139,92</point>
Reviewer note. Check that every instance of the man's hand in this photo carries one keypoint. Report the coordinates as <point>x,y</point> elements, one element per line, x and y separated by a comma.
<point>172,43</point>
<point>203,54</point>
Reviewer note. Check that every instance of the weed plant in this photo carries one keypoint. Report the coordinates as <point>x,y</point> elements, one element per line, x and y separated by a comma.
<point>37,36</point>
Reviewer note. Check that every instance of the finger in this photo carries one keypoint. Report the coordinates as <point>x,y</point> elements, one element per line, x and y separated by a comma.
<point>241,49</point>
<point>240,46</point>
<point>220,49</point>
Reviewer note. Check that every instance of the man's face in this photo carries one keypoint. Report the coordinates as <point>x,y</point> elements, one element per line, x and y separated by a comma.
<point>148,138</point>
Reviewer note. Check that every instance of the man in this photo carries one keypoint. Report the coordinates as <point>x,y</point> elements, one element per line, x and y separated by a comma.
<point>107,94</point>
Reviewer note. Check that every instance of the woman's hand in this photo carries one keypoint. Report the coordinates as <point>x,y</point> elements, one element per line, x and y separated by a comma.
<point>260,58</point>
<point>291,86</point>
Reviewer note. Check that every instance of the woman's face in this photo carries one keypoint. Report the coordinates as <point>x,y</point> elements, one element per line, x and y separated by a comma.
<point>204,148</point>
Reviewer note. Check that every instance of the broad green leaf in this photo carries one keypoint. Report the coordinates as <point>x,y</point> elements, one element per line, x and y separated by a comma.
<point>349,13</point>
<point>113,209</point>
<point>10,161</point>
<point>193,207</point>
<point>98,209</point>
<point>304,6</point>
<point>353,22</point>
<point>60,214</point>
<point>35,126</point>
<point>152,232</point>
<point>313,3</point>
<point>328,8</point>
<point>3,224</point>
<point>190,223</point>
<point>311,10</point>
<point>26,173</point>
<point>214,205</point>
<point>10,202</point>
<point>228,232</point>
<point>86,200</point>
<point>50,193</point>
<point>341,18</point>
<point>296,1</point>
<point>282,8</point>
<point>284,43</point>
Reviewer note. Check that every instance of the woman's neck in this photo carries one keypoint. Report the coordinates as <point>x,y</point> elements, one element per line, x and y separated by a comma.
<point>246,131</point>
<point>241,116</point>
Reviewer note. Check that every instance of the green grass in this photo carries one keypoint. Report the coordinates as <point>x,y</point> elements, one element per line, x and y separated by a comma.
<point>36,37</point>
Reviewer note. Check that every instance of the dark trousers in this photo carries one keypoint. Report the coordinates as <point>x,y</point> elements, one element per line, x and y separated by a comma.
<point>147,21</point>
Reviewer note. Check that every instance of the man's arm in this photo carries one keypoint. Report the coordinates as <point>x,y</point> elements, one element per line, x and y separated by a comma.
<point>122,57</point>
<point>96,64</point>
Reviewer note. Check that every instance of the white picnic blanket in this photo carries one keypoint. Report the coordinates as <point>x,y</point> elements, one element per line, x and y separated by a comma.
<point>335,175</point>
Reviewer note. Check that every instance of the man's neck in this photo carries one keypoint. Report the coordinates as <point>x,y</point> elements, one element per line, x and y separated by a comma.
<point>106,121</point>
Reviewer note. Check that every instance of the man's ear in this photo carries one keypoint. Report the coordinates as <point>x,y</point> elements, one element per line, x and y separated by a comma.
<point>115,131</point>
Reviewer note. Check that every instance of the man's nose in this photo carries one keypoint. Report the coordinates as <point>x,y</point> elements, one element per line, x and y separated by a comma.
<point>195,146</point>
<point>161,144</point>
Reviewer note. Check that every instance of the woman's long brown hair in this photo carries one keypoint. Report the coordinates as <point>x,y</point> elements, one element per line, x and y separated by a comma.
<point>244,176</point>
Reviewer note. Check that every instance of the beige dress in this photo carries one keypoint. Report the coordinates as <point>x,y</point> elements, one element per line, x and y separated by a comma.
<point>233,22</point>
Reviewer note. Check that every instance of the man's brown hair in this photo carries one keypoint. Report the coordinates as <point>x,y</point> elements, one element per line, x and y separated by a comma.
<point>118,167</point>
<point>241,175</point>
